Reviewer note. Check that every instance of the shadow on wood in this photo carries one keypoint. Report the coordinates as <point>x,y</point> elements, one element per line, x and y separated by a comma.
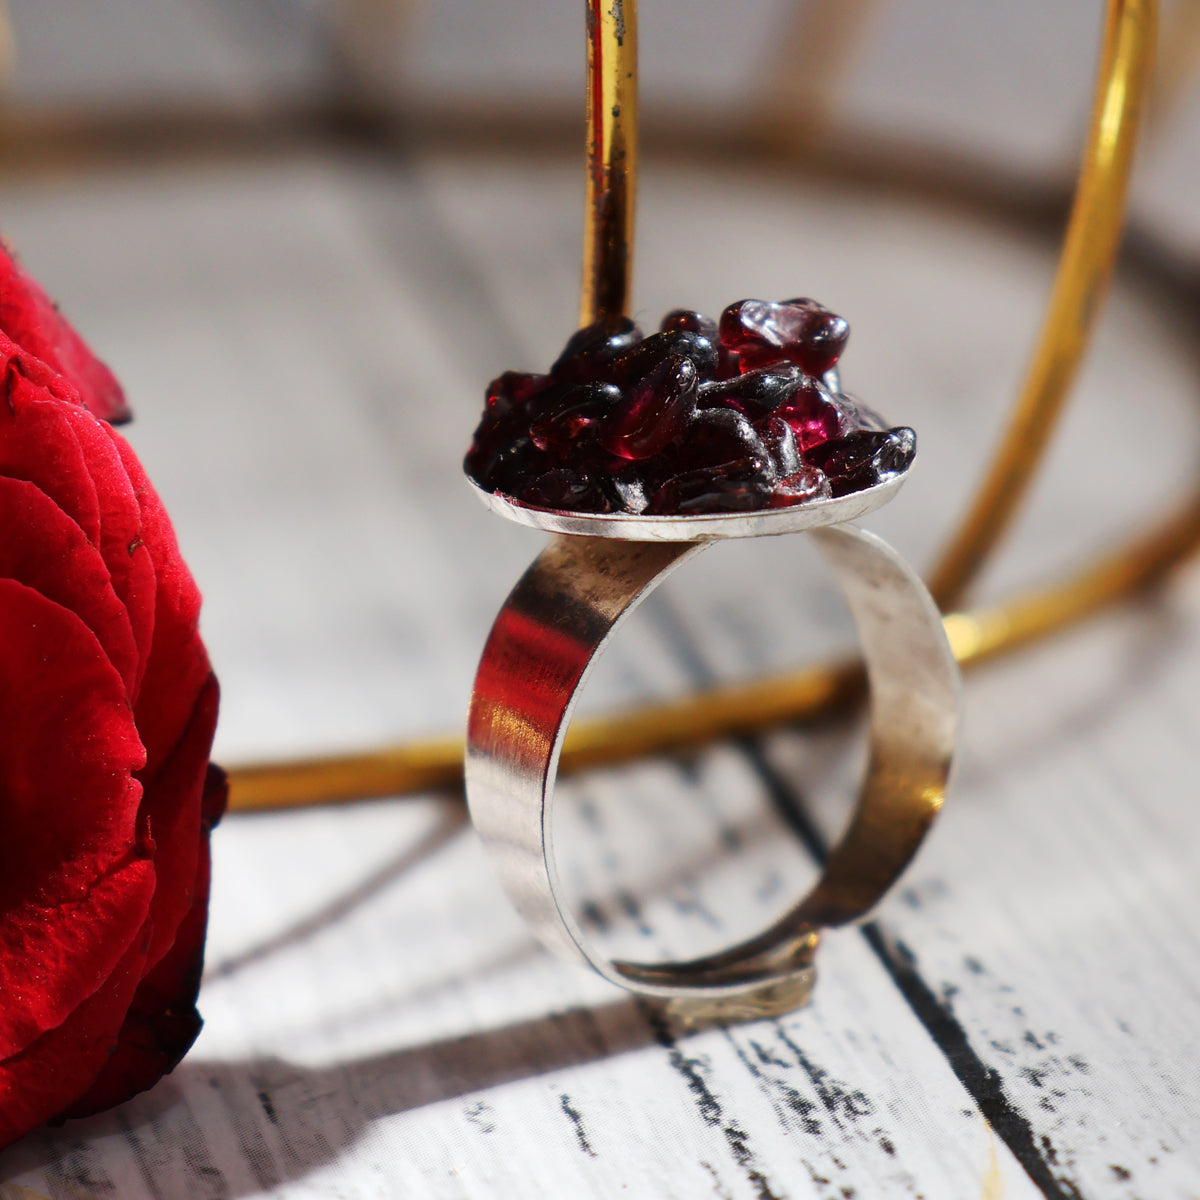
<point>287,1121</point>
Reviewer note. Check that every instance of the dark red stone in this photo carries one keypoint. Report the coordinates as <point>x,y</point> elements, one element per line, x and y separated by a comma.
<point>693,419</point>
<point>491,438</point>
<point>864,458</point>
<point>589,353</point>
<point>779,439</point>
<point>807,483</point>
<point>512,391</point>
<point>654,412</point>
<point>737,487</point>
<point>506,415</point>
<point>812,412</point>
<point>795,480</point>
<point>574,417</point>
<point>754,394</point>
<point>638,361</point>
<point>717,436</point>
<point>689,321</point>
<point>565,489</point>
<point>800,331</point>
<point>510,467</point>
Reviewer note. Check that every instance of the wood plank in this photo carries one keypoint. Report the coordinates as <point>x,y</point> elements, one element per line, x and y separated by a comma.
<point>378,1020</point>
<point>1057,986</point>
<point>412,1040</point>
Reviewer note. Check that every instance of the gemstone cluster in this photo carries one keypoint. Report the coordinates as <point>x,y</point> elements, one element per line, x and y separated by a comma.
<point>701,417</point>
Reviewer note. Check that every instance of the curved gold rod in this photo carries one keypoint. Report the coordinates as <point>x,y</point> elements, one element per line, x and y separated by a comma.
<point>1085,267</point>
<point>612,123</point>
<point>975,637</point>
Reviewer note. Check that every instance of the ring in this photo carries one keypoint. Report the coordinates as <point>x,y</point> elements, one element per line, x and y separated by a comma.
<point>560,616</point>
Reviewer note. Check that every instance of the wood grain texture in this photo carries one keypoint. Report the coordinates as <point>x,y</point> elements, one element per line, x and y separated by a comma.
<point>305,345</point>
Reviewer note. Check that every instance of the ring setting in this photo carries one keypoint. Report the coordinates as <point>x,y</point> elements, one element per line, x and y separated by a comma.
<point>649,451</point>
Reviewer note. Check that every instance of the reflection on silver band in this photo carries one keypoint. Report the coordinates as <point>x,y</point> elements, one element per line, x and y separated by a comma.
<point>558,619</point>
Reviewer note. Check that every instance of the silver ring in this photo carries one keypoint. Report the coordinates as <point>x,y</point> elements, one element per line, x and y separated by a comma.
<point>559,618</point>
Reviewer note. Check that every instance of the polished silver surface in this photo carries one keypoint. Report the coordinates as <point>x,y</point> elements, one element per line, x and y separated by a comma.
<point>558,619</point>
<point>796,518</point>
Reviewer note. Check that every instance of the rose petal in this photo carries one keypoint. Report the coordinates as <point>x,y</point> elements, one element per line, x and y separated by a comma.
<point>178,666</point>
<point>104,864</point>
<point>31,319</point>
<point>37,442</point>
<point>65,1060</point>
<point>122,537</point>
<point>48,552</point>
<point>75,886</point>
<point>171,809</point>
<point>162,1022</point>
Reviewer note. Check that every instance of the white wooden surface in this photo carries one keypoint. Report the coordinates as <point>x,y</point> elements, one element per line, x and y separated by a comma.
<point>305,344</point>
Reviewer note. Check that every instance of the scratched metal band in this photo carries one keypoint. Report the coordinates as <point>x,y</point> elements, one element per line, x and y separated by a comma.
<point>555,623</point>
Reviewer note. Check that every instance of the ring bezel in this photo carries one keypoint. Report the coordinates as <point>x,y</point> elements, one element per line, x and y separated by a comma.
<point>705,527</point>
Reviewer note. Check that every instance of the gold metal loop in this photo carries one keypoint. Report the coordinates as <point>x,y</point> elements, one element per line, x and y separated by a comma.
<point>1084,272</point>
<point>1085,269</point>
<point>975,637</point>
<point>612,123</point>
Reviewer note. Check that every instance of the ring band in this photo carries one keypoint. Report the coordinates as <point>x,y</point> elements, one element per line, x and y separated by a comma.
<point>551,628</point>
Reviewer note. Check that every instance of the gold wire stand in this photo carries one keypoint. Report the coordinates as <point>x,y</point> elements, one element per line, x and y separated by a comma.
<point>1084,273</point>
<point>611,190</point>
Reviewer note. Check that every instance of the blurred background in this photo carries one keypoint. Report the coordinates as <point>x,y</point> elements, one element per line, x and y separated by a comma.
<point>307,232</point>
<point>1006,85</point>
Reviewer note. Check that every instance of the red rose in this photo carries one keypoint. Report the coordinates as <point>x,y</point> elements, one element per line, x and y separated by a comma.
<point>107,711</point>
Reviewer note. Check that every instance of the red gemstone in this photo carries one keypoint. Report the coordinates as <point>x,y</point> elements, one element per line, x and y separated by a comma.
<point>693,419</point>
<point>632,364</point>
<point>812,413</point>
<point>864,458</point>
<point>800,331</point>
<point>780,441</point>
<point>716,437</point>
<point>755,394</point>
<point>589,353</point>
<point>735,487</point>
<point>575,416</point>
<point>513,390</point>
<point>565,489</point>
<point>654,412</point>
<point>689,321</point>
<point>805,484</point>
